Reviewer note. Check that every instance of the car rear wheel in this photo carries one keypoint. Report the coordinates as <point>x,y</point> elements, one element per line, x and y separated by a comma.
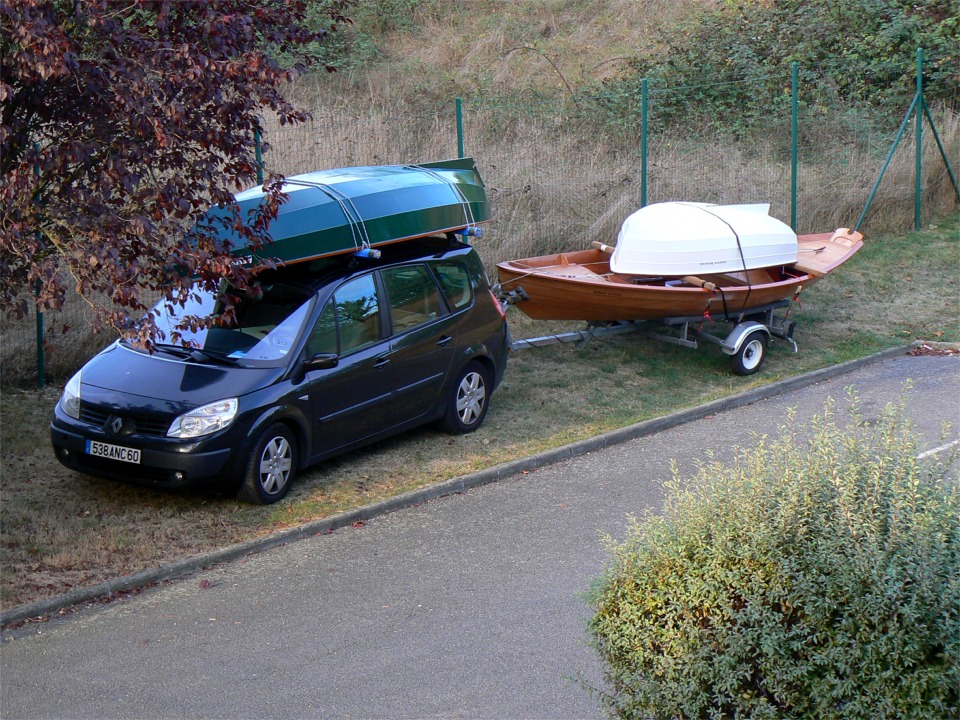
<point>467,403</point>
<point>271,466</point>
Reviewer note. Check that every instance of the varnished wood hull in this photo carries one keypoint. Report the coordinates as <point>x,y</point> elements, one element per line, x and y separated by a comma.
<point>580,286</point>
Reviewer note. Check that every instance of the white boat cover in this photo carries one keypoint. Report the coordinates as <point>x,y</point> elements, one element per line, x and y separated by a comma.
<point>687,238</point>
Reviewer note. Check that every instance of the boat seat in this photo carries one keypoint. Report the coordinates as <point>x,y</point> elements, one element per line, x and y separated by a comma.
<point>571,270</point>
<point>759,276</point>
<point>635,279</point>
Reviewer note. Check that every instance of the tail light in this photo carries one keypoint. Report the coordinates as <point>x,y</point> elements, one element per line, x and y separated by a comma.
<point>498,305</point>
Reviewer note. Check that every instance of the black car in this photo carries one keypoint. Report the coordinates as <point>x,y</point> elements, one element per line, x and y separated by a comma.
<point>321,358</point>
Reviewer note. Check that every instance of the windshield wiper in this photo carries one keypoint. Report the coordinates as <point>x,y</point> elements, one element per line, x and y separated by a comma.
<point>196,354</point>
<point>179,350</point>
<point>205,355</point>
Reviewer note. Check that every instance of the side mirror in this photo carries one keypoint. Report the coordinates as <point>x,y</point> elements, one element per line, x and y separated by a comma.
<point>322,361</point>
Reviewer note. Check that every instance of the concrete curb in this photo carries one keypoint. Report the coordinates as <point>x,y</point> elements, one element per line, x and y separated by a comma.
<point>448,487</point>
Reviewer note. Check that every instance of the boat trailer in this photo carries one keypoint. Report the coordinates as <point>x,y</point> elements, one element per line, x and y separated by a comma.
<point>746,343</point>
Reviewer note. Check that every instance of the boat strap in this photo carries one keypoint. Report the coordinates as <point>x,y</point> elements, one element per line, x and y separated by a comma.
<point>706,314</point>
<point>794,299</point>
<point>743,262</point>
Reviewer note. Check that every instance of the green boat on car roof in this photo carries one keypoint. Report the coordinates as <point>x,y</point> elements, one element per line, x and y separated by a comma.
<point>331,212</point>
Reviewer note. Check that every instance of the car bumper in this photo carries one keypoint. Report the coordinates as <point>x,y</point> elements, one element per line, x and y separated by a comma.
<point>160,468</point>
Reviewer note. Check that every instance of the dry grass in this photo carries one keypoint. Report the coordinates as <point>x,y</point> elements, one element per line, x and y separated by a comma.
<point>59,530</point>
<point>503,45</point>
<point>556,182</point>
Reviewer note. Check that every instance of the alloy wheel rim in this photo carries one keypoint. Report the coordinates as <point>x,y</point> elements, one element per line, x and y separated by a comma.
<point>275,464</point>
<point>471,396</point>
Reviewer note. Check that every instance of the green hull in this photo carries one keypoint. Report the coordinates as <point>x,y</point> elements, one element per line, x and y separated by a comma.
<point>331,212</point>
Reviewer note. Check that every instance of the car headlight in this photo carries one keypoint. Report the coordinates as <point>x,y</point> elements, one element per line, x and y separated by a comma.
<point>204,420</point>
<point>70,400</point>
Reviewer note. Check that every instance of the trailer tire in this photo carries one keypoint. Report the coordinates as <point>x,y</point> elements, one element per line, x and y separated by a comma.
<point>753,350</point>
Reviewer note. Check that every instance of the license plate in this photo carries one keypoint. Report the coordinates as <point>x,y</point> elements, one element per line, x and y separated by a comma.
<point>112,452</point>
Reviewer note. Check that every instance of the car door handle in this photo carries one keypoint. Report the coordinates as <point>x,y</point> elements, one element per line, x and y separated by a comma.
<point>444,341</point>
<point>381,362</point>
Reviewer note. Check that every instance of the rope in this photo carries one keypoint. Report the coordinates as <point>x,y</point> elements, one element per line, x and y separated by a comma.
<point>468,215</point>
<point>350,212</point>
<point>345,200</point>
<point>538,271</point>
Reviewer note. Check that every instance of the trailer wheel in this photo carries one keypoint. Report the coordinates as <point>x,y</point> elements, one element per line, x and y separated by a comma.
<point>748,359</point>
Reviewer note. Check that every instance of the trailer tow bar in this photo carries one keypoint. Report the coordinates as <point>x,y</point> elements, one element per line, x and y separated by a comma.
<point>592,331</point>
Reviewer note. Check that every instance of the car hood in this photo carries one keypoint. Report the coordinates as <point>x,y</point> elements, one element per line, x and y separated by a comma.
<point>127,374</point>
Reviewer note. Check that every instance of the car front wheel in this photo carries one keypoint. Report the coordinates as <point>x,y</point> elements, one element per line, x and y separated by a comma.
<point>467,403</point>
<point>271,466</point>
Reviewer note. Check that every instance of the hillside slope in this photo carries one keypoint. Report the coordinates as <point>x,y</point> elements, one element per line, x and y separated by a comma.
<point>434,48</point>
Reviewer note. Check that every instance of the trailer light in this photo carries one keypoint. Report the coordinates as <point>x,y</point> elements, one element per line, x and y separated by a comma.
<point>498,305</point>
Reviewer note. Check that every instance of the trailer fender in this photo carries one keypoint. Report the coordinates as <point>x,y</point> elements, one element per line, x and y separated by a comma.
<point>731,345</point>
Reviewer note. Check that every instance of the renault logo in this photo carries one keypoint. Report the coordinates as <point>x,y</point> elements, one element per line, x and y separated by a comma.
<point>116,425</point>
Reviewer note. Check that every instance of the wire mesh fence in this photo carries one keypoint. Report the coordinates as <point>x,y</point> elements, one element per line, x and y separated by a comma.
<point>558,177</point>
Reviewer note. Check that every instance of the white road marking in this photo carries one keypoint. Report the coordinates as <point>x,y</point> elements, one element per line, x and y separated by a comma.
<point>928,453</point>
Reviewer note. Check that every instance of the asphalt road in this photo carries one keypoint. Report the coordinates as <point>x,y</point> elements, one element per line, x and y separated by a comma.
<point>469,606</point>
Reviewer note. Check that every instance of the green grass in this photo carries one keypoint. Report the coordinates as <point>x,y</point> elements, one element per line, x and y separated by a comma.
<point>59,530</point>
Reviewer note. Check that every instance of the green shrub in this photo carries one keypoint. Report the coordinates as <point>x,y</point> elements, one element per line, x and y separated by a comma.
<point>811,578</point>
<point>729,65</point>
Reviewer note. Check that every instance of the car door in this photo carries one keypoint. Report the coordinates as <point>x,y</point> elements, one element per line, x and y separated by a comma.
<point>350,401</point>
<point>423,341</point>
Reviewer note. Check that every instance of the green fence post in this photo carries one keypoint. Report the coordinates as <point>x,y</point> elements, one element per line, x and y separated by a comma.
<point>943,151</point>
<point>886,164</point>
<point>41,356</point>
<point>795,82</point>
<point>460,127</point>
<point>919,179</point>
<point>259,154</point>
<point>643,142</point>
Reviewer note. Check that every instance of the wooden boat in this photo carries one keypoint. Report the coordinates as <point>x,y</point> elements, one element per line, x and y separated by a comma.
<point>581,285</point>
<point>332,212</point>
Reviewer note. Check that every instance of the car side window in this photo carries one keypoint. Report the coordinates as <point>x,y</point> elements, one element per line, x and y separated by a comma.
<point>455,281</point>
<point>323,339</point>
<point>412,295</point>
<point>358,313</point>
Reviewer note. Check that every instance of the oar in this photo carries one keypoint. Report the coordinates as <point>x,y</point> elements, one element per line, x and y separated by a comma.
<point>699,282</point>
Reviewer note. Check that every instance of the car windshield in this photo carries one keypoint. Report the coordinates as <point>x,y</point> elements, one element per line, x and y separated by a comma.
<point>268,323</point>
